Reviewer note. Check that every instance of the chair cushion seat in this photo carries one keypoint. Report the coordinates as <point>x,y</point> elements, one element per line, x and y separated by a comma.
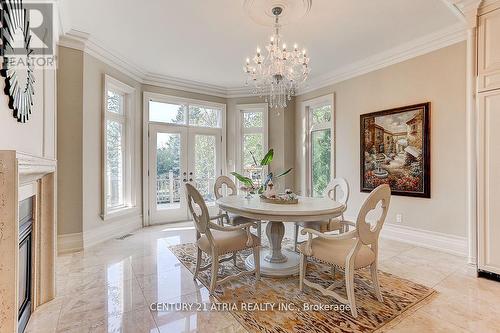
<point>235,219</point>
<point>227,241</point>
<point>322,226</point>
<point>336,251</point>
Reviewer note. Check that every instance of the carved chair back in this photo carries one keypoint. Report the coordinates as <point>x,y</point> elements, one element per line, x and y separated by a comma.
<point>338,183</point>
<point>369,232</point>
<point>218,186</point>
<point>198,210</point>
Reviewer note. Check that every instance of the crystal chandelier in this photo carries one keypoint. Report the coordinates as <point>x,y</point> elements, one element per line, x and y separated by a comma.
<point>277,74</point>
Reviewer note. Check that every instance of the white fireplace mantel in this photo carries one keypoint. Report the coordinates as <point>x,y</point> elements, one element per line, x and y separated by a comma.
<point>32,168</point>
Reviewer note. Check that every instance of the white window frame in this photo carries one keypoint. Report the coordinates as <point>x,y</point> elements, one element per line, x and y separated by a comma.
<point>127,119</point>
<point>241,131</point>
<point>310,128</point>
<point>163,98</point>
<point>168,99</point>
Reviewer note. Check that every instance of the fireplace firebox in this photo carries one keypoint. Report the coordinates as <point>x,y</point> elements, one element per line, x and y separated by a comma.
<point>25,262</point>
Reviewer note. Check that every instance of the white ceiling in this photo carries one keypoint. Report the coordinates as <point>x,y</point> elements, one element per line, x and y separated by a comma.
<point>208,40</point>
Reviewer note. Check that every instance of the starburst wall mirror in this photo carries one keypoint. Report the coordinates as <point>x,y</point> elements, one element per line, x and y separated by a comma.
<point>17,69</point>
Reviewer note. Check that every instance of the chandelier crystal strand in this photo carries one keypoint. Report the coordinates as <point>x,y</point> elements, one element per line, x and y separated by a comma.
<point>277,74</point>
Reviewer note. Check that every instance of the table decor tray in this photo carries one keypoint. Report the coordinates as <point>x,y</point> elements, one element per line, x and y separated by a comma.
<point>280,200</point>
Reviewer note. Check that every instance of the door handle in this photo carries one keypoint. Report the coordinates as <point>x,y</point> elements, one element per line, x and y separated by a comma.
<point>190,179</point>
<point>184,180</point>
<point>184,173</point>
<point>191,173</point>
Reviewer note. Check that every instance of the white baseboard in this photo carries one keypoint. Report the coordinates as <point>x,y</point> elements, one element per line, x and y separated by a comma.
<point>69,243</point>
<point>109,230</point>
<point>428,239</point>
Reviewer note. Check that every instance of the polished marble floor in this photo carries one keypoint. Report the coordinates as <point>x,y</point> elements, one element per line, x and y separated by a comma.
<point>109,288</point>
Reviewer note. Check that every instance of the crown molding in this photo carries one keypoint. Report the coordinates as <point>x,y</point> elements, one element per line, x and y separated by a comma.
<point>465,10</point>
<point>488,6</point>
<point>82,41</point>
<point>235,92</point>
<point>185,85</point>
<point>406,51</point>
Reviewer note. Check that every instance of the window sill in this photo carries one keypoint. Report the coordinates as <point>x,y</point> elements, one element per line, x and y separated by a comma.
<point>121,212</point>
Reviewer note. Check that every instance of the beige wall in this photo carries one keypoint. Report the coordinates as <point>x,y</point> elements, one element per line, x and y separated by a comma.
<point>38,135</point>
<point>437,77</point>
<point>281,138</point>
<point>69,141</point>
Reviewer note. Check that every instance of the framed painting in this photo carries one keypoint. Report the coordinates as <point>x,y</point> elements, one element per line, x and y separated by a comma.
<point>395,150</point>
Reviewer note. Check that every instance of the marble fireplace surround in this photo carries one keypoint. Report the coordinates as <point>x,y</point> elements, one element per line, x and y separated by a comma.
<point>22,176</point>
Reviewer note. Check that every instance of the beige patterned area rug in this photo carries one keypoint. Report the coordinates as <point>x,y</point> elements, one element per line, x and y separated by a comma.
<point>250,302</point>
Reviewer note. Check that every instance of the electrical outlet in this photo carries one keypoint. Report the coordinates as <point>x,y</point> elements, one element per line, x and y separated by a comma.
<point>399,218</point>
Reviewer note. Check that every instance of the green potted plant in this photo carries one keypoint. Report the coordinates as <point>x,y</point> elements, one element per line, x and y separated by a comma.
<point>248,184</point>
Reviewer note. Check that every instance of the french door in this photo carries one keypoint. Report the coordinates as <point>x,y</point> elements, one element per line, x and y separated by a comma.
<point>179,155</point>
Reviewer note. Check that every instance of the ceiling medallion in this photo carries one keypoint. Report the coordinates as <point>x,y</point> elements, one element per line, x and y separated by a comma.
<point>277,72</point>
<point>16,55</point>
<point>261,11</point>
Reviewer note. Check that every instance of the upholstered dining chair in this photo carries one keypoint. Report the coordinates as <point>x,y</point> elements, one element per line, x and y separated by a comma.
<point>332,224</point>
<point>352,250</point>
<point>216,240</point>
<point>234,219</point>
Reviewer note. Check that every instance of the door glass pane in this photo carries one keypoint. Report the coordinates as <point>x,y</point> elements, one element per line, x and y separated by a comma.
<point>115,102</point>
<point>322,114</point>
<point>252,119</point>
<point>168,182</point>
<point>320,160</point>
<point>167,113</point>
<point>114,164</point>
<point>205,165</point>
<point>252,145</point>
<point>204,116</point>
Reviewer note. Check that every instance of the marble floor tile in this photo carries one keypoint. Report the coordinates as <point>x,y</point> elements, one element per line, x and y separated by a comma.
<point>163,286</point>
<point>415,269</point>
<point>117,297</point>
<point>475,315</point>
<point>136,321</point>
<point>102,276</point>
<point>160,262</point>
<point>195,316</point>
<point>46,317</point>
<point>420,322</point>
<point>394,245</point>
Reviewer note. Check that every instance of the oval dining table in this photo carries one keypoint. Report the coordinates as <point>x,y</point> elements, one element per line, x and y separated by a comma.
<point>274,261</point>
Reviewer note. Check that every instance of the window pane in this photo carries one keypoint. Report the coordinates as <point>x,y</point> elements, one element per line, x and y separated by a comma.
<point>115,102</point>
<point>114,164</point>
<point>205,167</point>
<point>168,182</point>
<point>320,160</point>
<point>204,116</point>
<point>321,114</point>
<point>167,113</point>
<point>252,145</point>
<point>252,119</point>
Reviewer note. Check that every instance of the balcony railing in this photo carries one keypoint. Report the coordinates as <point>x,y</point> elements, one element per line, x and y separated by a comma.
<point>168,188</point>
